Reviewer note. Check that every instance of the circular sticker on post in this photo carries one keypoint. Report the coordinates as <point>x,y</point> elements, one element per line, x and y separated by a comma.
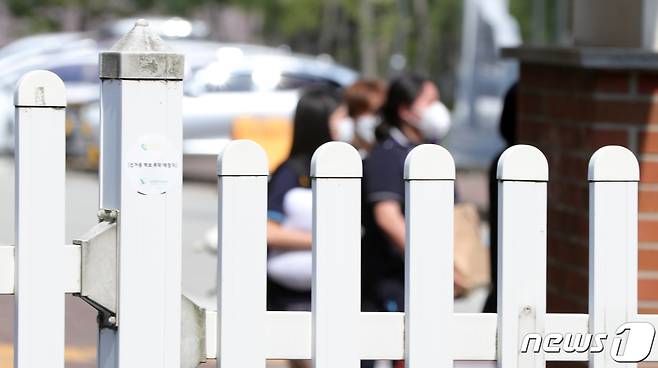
<point>153,165</point>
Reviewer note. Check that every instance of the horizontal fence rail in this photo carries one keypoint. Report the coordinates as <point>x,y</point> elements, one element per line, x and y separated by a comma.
<point>41,268</point>
<point>430,332</point>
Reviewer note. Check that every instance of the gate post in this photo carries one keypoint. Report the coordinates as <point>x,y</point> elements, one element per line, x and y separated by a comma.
<point>141,177</point>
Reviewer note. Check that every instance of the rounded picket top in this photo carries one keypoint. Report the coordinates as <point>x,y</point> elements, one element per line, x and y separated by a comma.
<point>522,163</point>
<point>429,162</point>
<point>336,160</point>
<point>613,163</point>
<point>242,157</point>
<point>40,88</point>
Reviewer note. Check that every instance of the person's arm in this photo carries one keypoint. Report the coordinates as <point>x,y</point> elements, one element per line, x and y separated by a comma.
<point>279,237</point>
<point>390,219</point>
<point>284,179</point>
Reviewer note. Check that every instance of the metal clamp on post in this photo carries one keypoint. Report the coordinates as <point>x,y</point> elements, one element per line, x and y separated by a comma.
<point>98,275</point>
<point>98,287</point>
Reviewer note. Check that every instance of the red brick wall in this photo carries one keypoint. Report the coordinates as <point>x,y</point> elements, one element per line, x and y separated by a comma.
<point>569,112</point>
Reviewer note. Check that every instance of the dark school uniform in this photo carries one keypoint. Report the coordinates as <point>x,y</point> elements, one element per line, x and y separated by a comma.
<point>382,262</point>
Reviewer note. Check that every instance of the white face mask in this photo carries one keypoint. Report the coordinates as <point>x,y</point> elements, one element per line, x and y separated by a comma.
<point>345,130</point>
<point>434,121</point>
<point>365,127</point>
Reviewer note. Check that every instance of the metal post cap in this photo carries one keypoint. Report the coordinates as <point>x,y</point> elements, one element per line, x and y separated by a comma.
<point>141,54</point>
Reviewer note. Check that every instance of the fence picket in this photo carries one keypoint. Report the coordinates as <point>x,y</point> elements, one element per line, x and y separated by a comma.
<point>522,181</point>
<point>336,174</point>
<point>613,175</point>
<point>242,257</point>
<point>40,102</point>
<point>429,179</point>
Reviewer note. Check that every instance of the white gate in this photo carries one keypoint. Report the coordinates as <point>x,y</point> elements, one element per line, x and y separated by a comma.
<point>131,260</point>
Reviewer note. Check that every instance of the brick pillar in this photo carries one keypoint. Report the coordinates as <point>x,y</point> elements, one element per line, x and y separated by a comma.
<point>570,103</point>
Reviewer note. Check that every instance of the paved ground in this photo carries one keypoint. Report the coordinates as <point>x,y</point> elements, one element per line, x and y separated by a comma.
<point>199,215</point>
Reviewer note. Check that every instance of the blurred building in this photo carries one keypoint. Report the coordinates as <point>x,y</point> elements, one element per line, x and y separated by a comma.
<point>483,78</point>
<point>601,90</point>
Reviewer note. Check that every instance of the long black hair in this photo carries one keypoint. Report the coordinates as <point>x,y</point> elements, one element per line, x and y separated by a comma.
<point>311,121</point>
<point>402,91</point>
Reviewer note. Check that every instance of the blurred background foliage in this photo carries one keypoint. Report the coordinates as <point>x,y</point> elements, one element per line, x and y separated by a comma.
<point>377,37</point>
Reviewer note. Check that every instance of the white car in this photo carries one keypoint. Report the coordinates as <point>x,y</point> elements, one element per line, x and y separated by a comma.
<point>249,94</point>
<point>230,91</point>
<point>76,63</point>
<point>74,57</point>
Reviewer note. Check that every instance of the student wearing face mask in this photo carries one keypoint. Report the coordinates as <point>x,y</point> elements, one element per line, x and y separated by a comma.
<point>289,265</point>
<point>412,114</point>
<point>364,99</point>
<point>290,203</point>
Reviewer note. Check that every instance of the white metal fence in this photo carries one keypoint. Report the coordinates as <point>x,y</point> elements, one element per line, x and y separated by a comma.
<point>131,270</point>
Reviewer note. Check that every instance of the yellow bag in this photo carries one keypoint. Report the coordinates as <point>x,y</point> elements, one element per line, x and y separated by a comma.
<point>471,257</point>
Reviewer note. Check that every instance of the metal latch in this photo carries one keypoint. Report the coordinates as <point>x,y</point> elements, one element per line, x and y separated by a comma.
<point>99,267</point>
<point>99,287</point>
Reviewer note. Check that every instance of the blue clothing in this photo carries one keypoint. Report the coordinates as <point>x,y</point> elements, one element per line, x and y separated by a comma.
<point>283,179</point>
<point>291,174</point>
<point>384,170</point>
